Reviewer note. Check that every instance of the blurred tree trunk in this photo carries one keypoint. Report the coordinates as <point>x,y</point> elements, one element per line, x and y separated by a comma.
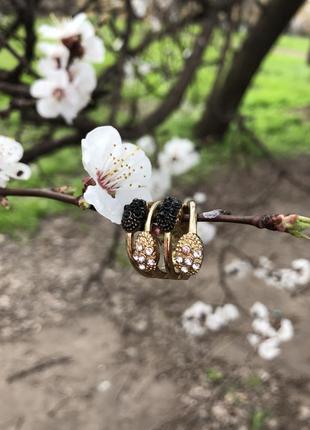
<point>224,101</point>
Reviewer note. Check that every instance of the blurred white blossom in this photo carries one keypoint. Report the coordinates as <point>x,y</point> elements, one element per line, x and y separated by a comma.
<point>68,79</point>
<point>267,338</point>
<point>238,268</point>
<point>160,183</point>
<point>140,7</point>
<point>285,278</point>
<point>200,317</point>
<point>10,167</point>
<point>222,316</point>
<point>178,156</point>
<point>200,197</point>
<point>269,348</point>
<point>78,36</point>
<point>259,310</point>
<point>62,93</point>
<point>194,318</point>
<point>147,144</point>
<point>121,171</point>
<point>302,268</point>
<point>56,57</point>
<point>206,231</point>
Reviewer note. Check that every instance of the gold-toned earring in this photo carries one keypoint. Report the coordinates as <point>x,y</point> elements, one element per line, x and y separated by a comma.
<point>186,258</point>
<point>144,250</point>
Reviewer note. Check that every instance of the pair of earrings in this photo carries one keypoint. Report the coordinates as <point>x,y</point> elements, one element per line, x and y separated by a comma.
<point>182,247</point>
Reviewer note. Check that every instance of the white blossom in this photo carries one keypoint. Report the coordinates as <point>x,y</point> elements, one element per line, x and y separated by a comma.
<point>201,317</point>
<point>269,349</point>
<point>10,167</point>
<point>302,267</point>
<point>78,35</point>
<point>206,232</point>
<point>160,183</point>
<point>64,93</point>
<point>286,330</point>
<point>285,279</point>
<point>267,339</point>
<point>56,57</point>
<point>140,7</point>
<point>200,197</point>
<point>194,318</point>
<point>216,320</point>
<point>230,312</point>
<point>121,171</point>
<point>265,262</point>
<point>259,310</point>
<point>179,156</point>
<point>263,327</point>
<point>238,268</point>
<point>253,339</point>
<point>147,144</point>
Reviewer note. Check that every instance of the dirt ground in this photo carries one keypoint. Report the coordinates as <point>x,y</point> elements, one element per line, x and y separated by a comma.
<point>111,354</point>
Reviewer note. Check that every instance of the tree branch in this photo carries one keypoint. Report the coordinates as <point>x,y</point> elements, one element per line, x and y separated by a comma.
<point>278,222</point>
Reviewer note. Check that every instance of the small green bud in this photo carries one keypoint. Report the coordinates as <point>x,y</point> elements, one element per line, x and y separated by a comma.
<point>296,225</point>
<point>83,203</point>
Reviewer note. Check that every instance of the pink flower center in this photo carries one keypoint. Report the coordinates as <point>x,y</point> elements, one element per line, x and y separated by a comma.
<point>105,182</point>
<point>58,94</point>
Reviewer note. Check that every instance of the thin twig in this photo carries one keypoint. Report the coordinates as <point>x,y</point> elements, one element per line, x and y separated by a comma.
<point>39,367</point>
<point>269,222</point>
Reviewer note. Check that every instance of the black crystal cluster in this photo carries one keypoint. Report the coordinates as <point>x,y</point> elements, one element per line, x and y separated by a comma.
<point>134,216</point>
<point>167,213</point>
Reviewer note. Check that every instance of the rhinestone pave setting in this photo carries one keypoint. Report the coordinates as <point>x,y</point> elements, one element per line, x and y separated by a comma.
<point>188,254</point>
<point>146,252</point>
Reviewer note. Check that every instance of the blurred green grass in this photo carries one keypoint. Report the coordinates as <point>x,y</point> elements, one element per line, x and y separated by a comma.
<point>275,108</point>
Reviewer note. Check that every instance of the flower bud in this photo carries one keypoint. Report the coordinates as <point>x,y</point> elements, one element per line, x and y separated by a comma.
<point>296,225</point>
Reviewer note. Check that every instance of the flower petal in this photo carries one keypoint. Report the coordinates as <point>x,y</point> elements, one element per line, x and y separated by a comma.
<point>18,171</point>
<point>42,88</point>
<point>98,148</point>
<point>10,150</point>
<point>94,49</point>
<point>269,349</point>
<point>259,310</point>
<point>286,330</point>
<point>141,168</point>
<point>48,107</point>
<point>112,207</point>
<point>84,80</point>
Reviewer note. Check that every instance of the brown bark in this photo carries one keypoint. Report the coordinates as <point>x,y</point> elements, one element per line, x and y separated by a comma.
<point>224,101</point>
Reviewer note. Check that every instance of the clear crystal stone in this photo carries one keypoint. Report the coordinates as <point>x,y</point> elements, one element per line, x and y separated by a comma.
<point>197,253</point>
<point>141,258</point>
<point>184,269</point>
<point>139,247</point>
<point>142,266</point>
<point>136,257</point>
<point>186,249</point>
<point>149,251</point>
<point>188,261</point>
<point>151,262</point>
<point>179,259</point>
<point>196,266</point>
